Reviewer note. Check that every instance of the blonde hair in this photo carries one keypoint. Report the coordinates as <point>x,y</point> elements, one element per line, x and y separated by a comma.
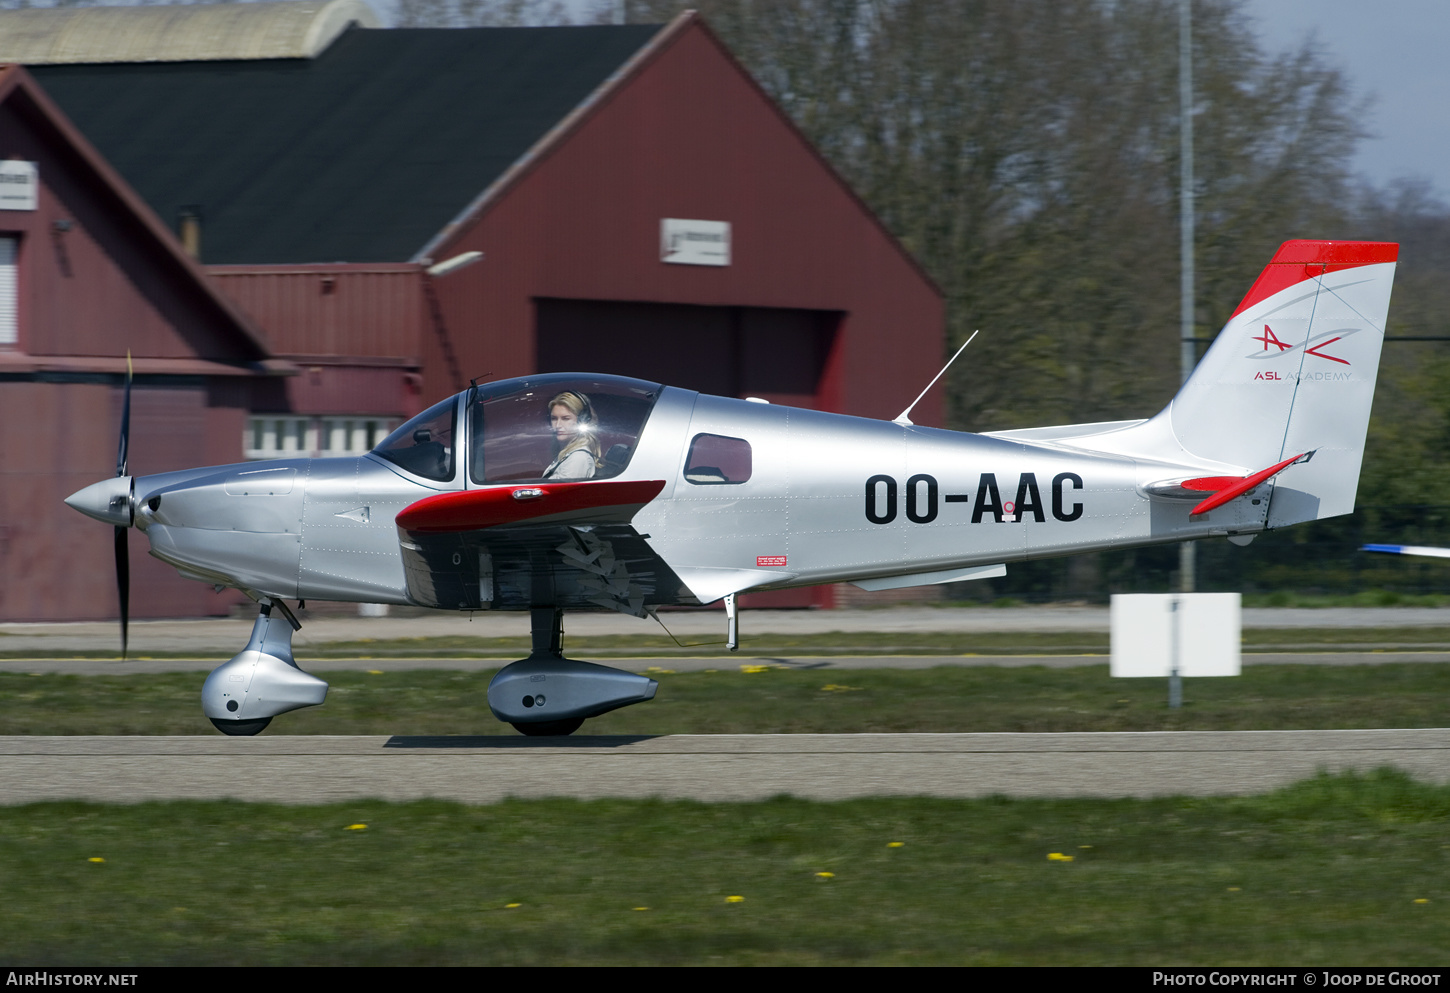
<point>578,404</point>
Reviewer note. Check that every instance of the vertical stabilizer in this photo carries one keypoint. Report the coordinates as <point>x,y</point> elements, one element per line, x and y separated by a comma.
<point>1294,371</point>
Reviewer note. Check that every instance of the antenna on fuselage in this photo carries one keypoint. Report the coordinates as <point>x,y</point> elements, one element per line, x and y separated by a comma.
<point>905,421</point>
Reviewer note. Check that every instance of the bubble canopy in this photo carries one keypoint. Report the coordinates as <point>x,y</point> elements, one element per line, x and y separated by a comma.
<point>559,426</point>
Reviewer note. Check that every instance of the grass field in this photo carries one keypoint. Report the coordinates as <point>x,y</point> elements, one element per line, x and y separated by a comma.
<point>1336,870</point>
<point>730,700</point>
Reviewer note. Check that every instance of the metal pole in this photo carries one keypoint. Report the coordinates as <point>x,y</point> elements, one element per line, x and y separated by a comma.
<point>1186,348</point>
<point>1175,681</point>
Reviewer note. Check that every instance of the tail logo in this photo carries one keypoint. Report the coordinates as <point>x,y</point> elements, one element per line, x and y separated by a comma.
<point>1311,346</point>
<point>1270,338</point>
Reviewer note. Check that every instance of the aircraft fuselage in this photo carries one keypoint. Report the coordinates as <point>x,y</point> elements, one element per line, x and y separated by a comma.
<point>827,498</point>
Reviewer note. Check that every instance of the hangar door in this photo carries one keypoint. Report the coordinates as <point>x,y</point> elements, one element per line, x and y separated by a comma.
<point>778,354</point>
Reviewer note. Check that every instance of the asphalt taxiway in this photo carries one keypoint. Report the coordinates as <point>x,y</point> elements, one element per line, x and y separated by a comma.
<point>485,769</point>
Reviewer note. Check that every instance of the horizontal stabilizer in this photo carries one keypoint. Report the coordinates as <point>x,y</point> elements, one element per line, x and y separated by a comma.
<point>1227,487</point>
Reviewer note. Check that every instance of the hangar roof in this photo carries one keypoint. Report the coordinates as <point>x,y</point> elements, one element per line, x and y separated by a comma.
<point>428,119</point>
<point>142,290</point>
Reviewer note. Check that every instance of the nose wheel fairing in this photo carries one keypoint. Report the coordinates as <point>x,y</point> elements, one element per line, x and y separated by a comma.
<point>241,696</point>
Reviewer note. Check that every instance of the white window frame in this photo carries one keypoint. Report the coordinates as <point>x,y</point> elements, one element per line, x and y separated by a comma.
<point>9,291</point>
<point>282,436</point>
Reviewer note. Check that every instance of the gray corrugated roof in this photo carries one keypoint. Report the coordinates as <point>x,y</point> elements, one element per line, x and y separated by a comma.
<point>291,29</point>
<point>359,155</point>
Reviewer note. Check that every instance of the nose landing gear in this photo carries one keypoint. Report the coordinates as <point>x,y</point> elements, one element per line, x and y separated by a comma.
<point>241,696</point>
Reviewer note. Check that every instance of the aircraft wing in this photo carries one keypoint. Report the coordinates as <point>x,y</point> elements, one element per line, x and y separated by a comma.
<point>569,545</point>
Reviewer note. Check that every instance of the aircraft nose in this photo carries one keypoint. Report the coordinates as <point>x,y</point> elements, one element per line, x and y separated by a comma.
<point>108,501</point>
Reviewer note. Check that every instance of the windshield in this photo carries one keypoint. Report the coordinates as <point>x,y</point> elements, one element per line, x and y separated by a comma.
<point>564,426</point>
<point>424,445</point>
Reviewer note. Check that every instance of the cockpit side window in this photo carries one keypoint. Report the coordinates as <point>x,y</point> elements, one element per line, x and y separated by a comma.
<point>556,428</point>
<point>424,446</point>
<point>716,459</point>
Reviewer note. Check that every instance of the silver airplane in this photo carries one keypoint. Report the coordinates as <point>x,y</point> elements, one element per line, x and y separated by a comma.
<point>590,492</point>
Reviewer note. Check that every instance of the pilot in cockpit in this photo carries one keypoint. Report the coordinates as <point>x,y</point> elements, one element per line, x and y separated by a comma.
<point>576,444</point>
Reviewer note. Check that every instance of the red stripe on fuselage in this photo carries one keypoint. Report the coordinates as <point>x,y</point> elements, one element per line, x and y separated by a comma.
<point>469,510</point>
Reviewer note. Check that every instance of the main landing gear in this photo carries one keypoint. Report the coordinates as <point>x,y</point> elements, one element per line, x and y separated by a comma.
<point>547,694</point>
<point>242,696</point>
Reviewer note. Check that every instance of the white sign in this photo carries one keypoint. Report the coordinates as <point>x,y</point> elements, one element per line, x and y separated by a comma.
<point>19,185</point>
<point>694,242</point>
<point>1201,629</point>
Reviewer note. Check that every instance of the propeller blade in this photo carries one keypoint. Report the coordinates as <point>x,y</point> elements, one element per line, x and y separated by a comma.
<point>123,557</point>
<point>123,583</point>
<point>125,420</point>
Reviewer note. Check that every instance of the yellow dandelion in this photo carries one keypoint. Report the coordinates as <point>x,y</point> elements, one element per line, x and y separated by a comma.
<point>1084,846</point>
<point>1233,889</point>
<point>639,908</point>
<point>837,688</point>
<point>375,672</point>
<point>356,827</point>
<point>511,906</point>
<point>826,875</point>
<point>1058,857</point>
<point>754,668</point>
<point>895,844</point>
<point>95,860</point>
<point>735,899</point>
<point>1421,900</point>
